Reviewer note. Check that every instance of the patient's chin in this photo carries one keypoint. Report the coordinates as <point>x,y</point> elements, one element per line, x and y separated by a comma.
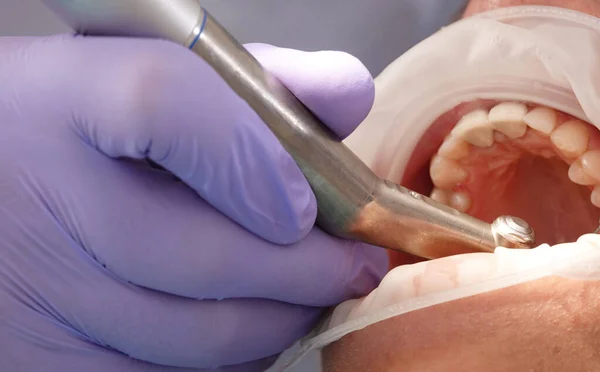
<point>490,158</point>
<point>546,325</point>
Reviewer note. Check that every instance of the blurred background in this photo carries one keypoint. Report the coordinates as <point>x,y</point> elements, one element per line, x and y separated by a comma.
<point>375,31</point>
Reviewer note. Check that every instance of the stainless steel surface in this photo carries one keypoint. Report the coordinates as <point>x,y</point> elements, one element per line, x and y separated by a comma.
<point>399,217</point>
<point>168,19</point>
<point>512,232</point>
<point>342,183</point>
<point>352,201</point>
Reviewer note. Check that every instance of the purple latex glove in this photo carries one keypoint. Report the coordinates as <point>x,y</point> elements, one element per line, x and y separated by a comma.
<point>109,264</point>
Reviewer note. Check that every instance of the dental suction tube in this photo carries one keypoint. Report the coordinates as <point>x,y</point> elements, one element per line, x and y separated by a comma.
<point>353,203</point>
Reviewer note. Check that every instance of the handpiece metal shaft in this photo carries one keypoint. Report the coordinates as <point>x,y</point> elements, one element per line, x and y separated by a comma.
<point>352,201</point>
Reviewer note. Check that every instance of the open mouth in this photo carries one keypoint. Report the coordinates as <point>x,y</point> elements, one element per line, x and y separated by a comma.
<point>490,158</point>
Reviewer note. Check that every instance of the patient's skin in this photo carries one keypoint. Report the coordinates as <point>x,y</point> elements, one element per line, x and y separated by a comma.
<point>591,7</point>
<point>550,324</point>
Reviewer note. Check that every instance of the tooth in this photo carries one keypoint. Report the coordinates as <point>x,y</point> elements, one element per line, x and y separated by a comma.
<point>542,119</point>
<point>590,162</point>
<point>446,173</point>
<point>454,148</point>
<point>507,118</point>
<point>460,201</point>
<point>439,195</point>
<point>578,175</point>
<point>499,137</point>
<point>475,128</point>
<point>595,197</point>
<point>571,138</point>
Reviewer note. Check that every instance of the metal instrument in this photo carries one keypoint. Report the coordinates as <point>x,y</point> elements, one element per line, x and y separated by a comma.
<point>353,203</point>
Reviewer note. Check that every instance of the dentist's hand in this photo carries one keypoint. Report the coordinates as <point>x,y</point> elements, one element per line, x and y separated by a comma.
<point>108,264</point>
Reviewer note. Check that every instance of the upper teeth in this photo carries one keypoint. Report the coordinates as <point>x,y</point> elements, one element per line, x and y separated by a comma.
<point>505,122</point>
<point>571,138</point>
<point>475,128</point>
<point>590,162</point>
<point>578,175</point>
<point>454,148</point>
<point>446,173</point>
<point>507,118</point>
<point>542,119</point>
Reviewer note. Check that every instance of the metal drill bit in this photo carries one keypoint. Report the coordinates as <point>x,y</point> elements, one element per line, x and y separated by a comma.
<point>352,201</point>
<point>513,232</point>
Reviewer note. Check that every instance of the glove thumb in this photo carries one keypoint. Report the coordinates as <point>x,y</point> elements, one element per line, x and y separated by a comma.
<point>336,86</point>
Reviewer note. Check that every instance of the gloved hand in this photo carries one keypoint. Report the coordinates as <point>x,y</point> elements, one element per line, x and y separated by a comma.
<point>109,264</point>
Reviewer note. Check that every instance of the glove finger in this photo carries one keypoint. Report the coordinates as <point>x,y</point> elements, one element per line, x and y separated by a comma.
<point>76,293</point>
<point>59,348</point>
<point>336,86</point>
<point>153,231</point>
<point>153,99</point>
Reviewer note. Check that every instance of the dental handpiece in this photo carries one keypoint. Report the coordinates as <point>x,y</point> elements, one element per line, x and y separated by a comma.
<point>353,203</point>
